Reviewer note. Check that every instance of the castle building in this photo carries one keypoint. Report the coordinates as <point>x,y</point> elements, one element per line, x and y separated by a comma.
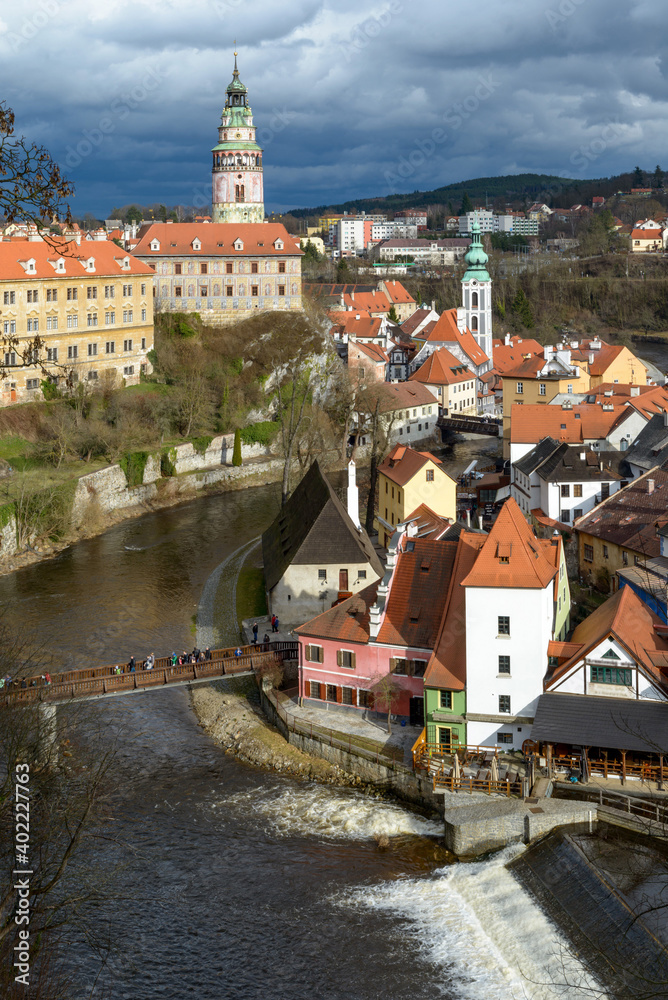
<point>477,293</point>
<point>237,184</point>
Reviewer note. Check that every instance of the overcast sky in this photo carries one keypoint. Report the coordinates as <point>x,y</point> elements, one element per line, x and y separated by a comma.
<point>351,98</point>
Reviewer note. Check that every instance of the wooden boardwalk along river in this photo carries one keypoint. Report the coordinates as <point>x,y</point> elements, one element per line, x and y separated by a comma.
<point>103,682</point>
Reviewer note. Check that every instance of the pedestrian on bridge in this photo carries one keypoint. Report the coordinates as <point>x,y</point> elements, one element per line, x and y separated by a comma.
<point>255,630</point>
<point>238,651</point>
<point>131,664</point>
<point>266,639</point>
<point>207,653</point>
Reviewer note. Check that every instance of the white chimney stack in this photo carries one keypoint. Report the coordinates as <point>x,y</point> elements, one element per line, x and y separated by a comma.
<point>353,498</point>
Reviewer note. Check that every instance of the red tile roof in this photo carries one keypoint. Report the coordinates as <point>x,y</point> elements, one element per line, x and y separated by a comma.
<point>396,396</point>
<point>412,323</point>
<point>372,351</point>
<point>404,462</point>
<point>646,234</point>
<point>359,325</point>
<point>512,556</point>
<point>629,620</point>
<point>108,258</point>
<point>217,239</point>
<point>441,368</point>
<point>396,292</point>
<point>585,422</point>
<point>372,302</point>
<point>630,517</point>
<point>347,621</point>
<point>507,356</point>
<point>417,595</point>
<point>446,332</point>
<point>427,523</point>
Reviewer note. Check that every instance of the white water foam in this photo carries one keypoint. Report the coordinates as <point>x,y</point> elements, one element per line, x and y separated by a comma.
<point>318,811</point>
<point>478,923</point>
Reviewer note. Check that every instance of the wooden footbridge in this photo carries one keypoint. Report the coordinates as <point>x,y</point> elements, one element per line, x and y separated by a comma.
<point>490,426</point>
<point>104,682</point>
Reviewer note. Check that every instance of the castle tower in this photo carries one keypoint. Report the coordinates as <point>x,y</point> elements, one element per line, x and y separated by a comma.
<point>477,292</point>
<point>237,188</point>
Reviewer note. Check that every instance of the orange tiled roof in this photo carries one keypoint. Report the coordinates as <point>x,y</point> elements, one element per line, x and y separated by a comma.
<point>359,325</point>
<point>399,396</point>
<point>626,617</point>
<point>372,302</point>
<point>417,595</point>
<point>108,258</point>
<point>404,462</point>
<point>447,665</point>
<point>428,523</point>
<point>585,422</point>
<point>507,356</point>
<point>630,517</point>
<point>441,368</point>
<point>347,621</point>
<point>217,239</point>
<point>512,556</point>
<point>372,351</point>
<point>413,321</point>
<point>445,331</point>
<point>646,234</point>
<point>396,292</point>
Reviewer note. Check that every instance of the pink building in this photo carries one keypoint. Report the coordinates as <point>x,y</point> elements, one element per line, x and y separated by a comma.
<point>389,628</point>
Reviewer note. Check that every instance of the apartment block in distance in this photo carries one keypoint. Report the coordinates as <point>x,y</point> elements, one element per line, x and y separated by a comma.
<point>91,307</point>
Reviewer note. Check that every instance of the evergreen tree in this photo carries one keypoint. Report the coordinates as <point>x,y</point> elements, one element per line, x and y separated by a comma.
<point>658,176</point>
<point>522,309</point>
<point>342,271</point>
<point>236,454</point>
<point>638,177</point>
<point>392,315</point>
<point>467,205</point>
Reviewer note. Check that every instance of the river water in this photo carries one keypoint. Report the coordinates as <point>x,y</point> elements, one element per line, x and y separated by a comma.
<point>234,883</point>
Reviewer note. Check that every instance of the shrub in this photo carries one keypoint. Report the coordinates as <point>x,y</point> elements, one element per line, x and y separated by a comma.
<point>263,432</point>
<point>236,454</point>
<point>49,389</point>
<point>133,464</point>
<point>200,444</point>
<point>167,467</point>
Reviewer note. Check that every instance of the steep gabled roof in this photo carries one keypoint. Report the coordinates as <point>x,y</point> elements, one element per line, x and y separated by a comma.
<point>508,356</point>
<point>535,458</point>
<point>427,523</point>
<point>512,556</point>
<point>374,352</point>
<point>441,368</point>
<point>313,527</point>
<point>404,462</point>
<point>417,595</point>
<point>446,332</point>
<point>626,618</point>
<point>412,323</point>
<point>347,621</point>
<point>650,448</point>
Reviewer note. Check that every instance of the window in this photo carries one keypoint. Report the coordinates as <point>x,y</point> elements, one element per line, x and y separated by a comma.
<point>110,347</point>
<point>322,574</point>
<point>72,294</point>
<point>129,370</point>
<point>399,665</point>
<point>110,317</point>
<point>92,375</point>
<point>9,298</point>
<point>314,689</point>
<point>33,325</point>
<point>92,350</point>
<point>363,698</point>
<point>605,551</point>
<point>504,703</point>
<point>569,388</point>
<point>504,664</point>
<point>520,388</point>
<point>72,352</point>
<point>52,322</point>
<point>503,625</point>
<point>228,291</point>
<point>9,326</point>
<point>577,513</point>
<point>345,658</point>
<point>577,489</point>
<point>143,315</point>
<point>32,383</point>
<point>203,267</point>
<point>254,267</point>
<point>589,553</point>
<point>91,291</point>
<point>127,291</point>
<point>127,315</point>
<point>143,343</point>
<point>52,354</point>
<point>417,668</point>
<point>430,475</point>
<point>143,289</point>
<point>346,696</point>
<point>127,345</point>
<point>254,291</point>
<point>109,291</point>
<point>281,289</point>
<point>178,291</point>
<point>52,295</point>
<point>331,692</point>
<point>361,574</point>
<point>72,321</point>
<point>314,654</point>
<point>91,319</point>
<point>10,358</point>
<point>228,267</point>
<point>445,699</point>
<point>33,296</point>
<point>611,675</point>
<point>565,490</point>
<point>281,267</point>
<point>204,291</point>
<point>541,388</point>
<point>565,516</point>
<point>505,738</point>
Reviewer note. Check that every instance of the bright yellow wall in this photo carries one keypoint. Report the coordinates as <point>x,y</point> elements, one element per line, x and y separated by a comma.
<point>395,503</point>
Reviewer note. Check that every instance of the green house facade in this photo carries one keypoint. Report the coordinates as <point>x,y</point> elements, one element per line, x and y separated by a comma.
<point>444,711</point>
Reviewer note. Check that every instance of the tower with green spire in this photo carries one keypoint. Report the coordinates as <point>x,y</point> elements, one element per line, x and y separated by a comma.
<point>237,179</point>
<point>476,311</point>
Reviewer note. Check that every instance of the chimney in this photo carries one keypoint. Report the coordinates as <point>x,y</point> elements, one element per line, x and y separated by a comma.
<point>635,390</point>
<point>352,497</point>
<point>665,418</point>
<point>433,304</point>
<point>507,340</point>
<point>591,358</point>
<point>583,456</point>
<point>650,485</point>
<point>480,521</point>
<point>468,518</point>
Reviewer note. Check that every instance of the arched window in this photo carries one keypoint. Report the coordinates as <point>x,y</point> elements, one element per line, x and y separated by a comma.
<point>474,323</point>
<point>474,300</point>
<point>239,192</point>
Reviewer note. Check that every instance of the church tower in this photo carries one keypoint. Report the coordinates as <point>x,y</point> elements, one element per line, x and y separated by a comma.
<point>237,189</point>
<point>477,292</point>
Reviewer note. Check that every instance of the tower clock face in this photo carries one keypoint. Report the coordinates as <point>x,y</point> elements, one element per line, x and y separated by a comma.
<point>238,135</point>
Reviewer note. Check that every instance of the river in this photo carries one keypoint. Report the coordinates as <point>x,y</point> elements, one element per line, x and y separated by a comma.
<point>234,883</point>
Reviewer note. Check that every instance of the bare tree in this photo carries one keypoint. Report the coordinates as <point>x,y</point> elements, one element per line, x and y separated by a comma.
<point>387,692</point>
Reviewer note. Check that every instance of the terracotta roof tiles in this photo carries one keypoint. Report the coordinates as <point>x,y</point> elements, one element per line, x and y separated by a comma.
<point>442,368</point>
<point>446,331</point>
<point>512,556</point>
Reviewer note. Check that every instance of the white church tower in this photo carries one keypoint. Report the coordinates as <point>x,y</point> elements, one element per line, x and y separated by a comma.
<point>477,293</point>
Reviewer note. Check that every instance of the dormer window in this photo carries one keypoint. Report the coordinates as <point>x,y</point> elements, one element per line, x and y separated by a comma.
<point>238,245</point>
<point>278,244</point>
<point>28,265</point>
<point>196,244</point>
<point>89,264</point>
<point>155,244</point>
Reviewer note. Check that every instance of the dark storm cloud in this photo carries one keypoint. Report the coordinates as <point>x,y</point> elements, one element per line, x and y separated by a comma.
<point>351,98</point>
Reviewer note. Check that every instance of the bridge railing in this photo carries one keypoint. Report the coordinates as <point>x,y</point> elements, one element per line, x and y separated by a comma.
<point>99,681</point>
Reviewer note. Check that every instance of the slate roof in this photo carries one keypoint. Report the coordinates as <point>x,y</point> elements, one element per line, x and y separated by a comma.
<point>533,459</point>
<point>629,517</point>
<point>586,720</point>
<point>314,527</point>
<point>512,556</point>
<point>650,448</point>
<point>566,464</point>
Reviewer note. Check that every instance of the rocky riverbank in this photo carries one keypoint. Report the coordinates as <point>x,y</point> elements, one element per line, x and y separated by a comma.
<point>229,711</point>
